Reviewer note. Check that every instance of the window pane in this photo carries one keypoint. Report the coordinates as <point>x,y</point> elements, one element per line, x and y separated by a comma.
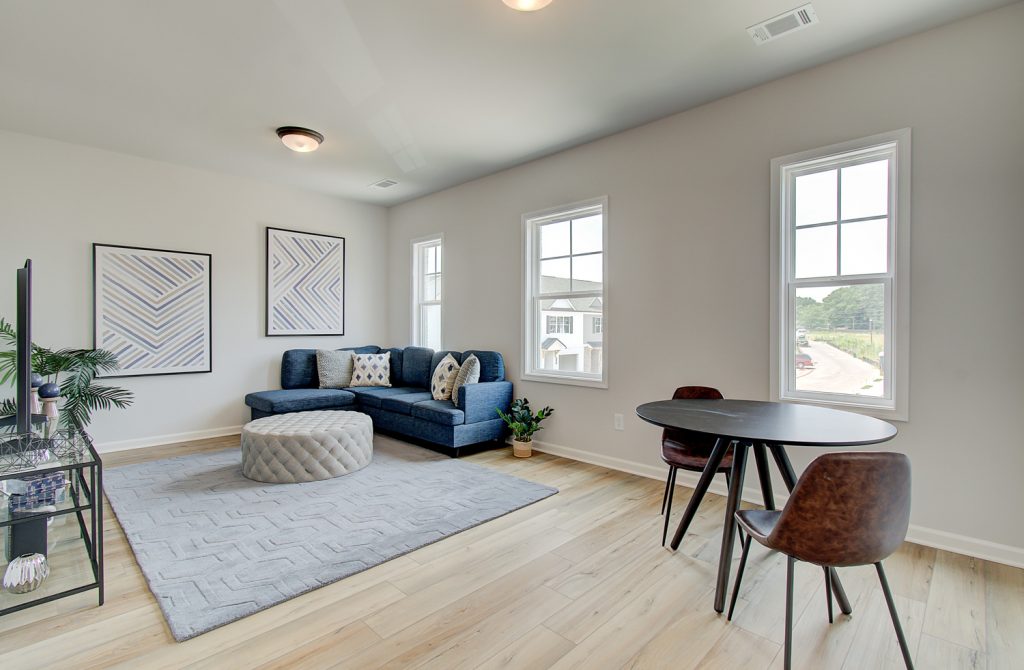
<point>567,339</point>
<point>554,239</point>
<point>586,235</point>
<point>431,287</point>
<point>816,198</point>
<point>430,326</point>
<point>865,247</point>
<point>866,190</point>
<point>554,276</point>
<point>839,339</point>
<point>587,272</point>
<point>429,260</point>
<point>815,252</point>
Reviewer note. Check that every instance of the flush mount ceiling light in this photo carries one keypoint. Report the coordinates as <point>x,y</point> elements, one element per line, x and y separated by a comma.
<point>298,139</point>
<point>527,5</point>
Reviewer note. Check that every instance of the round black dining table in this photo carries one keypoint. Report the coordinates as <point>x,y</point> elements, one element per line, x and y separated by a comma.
<point>766,427</point>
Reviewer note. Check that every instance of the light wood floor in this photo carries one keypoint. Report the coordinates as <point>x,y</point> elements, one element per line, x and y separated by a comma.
<point>578,580</point>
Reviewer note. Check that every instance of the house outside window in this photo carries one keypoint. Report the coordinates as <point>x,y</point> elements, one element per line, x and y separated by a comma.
<point>428,291</point>
<point>841,225</point>
<point>559,324</point>
<point>566,261</point>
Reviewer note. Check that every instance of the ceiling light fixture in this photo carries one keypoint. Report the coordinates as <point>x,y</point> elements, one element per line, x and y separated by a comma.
<point>298,139</point>
<point>527,5</point>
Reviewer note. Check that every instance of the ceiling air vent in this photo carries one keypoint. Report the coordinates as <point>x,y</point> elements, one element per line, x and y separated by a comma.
<point>783,24</point>
<point>385,183</point>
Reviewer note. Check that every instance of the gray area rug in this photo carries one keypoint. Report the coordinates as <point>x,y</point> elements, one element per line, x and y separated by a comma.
<point>216,547</point>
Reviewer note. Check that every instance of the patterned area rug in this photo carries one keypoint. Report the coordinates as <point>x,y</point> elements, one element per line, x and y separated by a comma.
<point>216,547</point>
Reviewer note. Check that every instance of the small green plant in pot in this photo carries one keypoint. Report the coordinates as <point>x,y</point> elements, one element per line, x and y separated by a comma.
<point>523,423</point>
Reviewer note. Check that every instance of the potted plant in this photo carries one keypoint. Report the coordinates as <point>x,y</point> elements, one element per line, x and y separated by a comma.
<point>66,374</point>
<point>523,423</point>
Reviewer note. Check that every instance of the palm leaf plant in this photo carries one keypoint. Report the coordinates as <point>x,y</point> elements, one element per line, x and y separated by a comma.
<point>74,370</point>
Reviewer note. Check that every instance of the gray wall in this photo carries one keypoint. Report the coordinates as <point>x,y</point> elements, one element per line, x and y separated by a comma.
<point>688,299</point>
<point>57,199</point>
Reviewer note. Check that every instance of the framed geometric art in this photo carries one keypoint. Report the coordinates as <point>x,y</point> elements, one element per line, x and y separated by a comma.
<point>305,283</point>
<point>153,309</point>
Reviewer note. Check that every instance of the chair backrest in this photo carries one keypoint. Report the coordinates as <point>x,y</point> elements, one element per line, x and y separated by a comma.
<point>847,509</point>
<point>689,393</point>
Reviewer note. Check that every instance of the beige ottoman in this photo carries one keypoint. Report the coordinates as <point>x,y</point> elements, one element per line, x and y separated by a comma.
<point>306,446</point>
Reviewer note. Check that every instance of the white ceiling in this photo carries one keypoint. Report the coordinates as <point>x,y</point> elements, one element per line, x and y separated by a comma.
<point>430,93</point>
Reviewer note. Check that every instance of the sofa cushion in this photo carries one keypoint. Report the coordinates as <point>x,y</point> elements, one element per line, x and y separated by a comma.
<point>439,411</point>
<point>469,373</point>
<point>371,396</point>
<point>416,366</point>
<point>438,356</point>
<point>492,365</point>
<point>396,366</point>
<point>371,369</point>
<point>403,403</point>
<point>299,400</point>
<point>298,367</point>
<point>334,368</point>
<point>443,378</point>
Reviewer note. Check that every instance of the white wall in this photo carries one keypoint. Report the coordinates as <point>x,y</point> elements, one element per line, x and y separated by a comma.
<point>689,254</point>
<point>57,199</point>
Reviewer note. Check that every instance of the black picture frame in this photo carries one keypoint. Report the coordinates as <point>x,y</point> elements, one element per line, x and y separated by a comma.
<point>269,331</point>
<point>208,367</point>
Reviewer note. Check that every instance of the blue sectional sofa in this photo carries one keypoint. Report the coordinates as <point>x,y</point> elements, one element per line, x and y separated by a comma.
<point>406,407</point>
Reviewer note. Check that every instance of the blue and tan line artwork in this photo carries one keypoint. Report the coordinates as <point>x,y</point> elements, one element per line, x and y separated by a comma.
<point>306,283</point>
<point>153,310</point>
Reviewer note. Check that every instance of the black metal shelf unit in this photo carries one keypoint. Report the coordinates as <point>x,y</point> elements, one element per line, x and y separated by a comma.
<point>73,453</point>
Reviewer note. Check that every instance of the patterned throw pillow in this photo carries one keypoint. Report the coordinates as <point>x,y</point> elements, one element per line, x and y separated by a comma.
<point>443,379</point>
<point>371,369</point>
<point>334,368</point>
<point>469,373</point>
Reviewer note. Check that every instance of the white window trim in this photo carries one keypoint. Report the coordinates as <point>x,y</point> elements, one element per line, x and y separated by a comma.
<point>414,249</point>
<point>530,243</point>
<point>898,351</point>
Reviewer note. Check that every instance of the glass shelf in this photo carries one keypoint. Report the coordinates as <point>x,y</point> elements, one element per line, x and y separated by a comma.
<point>70,565</point>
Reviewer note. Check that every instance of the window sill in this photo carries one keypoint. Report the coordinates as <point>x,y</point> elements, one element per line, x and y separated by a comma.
<point>565,379</point>
<point>883,413</point>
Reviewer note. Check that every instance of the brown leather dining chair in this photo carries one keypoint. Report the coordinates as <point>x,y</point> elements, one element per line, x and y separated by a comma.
<point>682,450</point>
<point>847,509</point>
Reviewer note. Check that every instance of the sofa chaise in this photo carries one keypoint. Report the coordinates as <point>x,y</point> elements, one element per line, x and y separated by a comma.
<point>406,407</point>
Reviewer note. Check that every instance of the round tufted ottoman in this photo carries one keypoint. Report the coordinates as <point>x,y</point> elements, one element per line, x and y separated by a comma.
<point>306,446</point>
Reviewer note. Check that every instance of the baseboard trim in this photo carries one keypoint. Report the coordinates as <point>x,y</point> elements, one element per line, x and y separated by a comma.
<point>929,537</point>
<point>162,440</point>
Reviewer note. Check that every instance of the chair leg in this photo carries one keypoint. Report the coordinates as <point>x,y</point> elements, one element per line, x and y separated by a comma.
<point>739,577</point>
<point>668,504</point>
<point>828,592</point>
<point>668,483</point>
<point>790,563</point>
<point>895,617</point>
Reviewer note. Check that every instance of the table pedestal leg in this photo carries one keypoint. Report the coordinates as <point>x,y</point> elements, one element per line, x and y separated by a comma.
<point>714,461</point>
<point>739,464</point>
<point>789,476</point>
<point>765,475</point>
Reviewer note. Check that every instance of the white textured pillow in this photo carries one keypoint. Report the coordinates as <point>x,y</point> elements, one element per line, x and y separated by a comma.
<point>443,379</point>
<point>334,368</point>
<point>371,369</point>
<point>469,373</point>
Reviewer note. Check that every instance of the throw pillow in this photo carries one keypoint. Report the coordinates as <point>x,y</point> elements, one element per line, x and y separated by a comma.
<point>334,368</point>
<point>469,373</point>
<point>371,369</point>
<point>443,379</point>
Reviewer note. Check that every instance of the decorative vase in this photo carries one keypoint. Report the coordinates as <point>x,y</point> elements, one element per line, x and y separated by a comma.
<point>26,572</point>
<point>522,448</point>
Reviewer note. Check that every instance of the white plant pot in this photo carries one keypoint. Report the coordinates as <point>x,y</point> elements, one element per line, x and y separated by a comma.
<point>522,448</point>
